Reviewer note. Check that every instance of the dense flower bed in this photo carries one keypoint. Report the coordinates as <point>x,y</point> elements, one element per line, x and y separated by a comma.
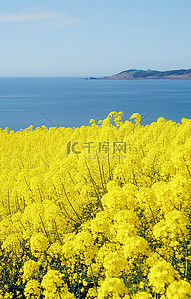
<point>100,211</point>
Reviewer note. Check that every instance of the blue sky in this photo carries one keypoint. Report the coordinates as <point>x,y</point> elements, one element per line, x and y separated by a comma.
<point>93,38</point>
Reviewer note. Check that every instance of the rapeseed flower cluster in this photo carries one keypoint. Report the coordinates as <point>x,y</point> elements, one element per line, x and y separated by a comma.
<point>100,211</point>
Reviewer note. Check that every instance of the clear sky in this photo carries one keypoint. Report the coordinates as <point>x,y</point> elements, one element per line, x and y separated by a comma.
<point>93,38</point>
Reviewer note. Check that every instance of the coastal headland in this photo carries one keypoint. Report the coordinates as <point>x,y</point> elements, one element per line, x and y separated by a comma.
<point>133,74</point>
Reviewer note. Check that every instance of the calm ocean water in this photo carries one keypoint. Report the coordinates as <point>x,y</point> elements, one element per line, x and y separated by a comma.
<point>74,101</point>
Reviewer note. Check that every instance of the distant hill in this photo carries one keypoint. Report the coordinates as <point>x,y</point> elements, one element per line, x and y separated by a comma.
<point>149,74</point>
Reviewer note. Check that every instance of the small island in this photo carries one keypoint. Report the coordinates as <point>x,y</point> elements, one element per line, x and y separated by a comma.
<point>133,74</point>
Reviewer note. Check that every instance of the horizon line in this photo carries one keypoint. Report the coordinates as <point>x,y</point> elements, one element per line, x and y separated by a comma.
<point>87,76</point>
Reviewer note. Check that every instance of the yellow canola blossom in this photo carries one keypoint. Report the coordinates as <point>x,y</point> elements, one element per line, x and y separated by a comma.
<point>100,211</point>
<point>32,289</point>
<point>178,289</point>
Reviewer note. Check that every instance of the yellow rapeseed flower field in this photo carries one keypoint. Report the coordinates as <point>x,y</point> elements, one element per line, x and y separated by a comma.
<point>100,211</point>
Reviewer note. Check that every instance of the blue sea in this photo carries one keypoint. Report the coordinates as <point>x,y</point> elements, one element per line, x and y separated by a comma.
<point>74,101</point>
